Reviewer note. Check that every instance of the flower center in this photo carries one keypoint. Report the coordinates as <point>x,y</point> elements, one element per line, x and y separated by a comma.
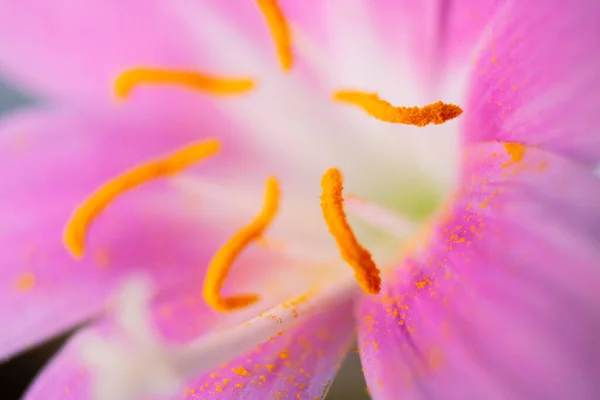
<point>201,355</point>
<point>332,201</point>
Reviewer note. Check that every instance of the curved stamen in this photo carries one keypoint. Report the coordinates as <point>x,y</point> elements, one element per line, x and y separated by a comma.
<point>220,265</point>
<point>132,78</point>
<point>332,204</point>
<point>280,31</point>
<point>436,113</point>
<point>78,225</point>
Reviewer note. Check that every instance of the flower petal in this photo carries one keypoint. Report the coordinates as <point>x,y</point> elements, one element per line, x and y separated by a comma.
<point>76,48</point>
<point>503,304</point>
<point>536,80</point>
<point>299,363</point>
<point>480,314</point>
<point>420,37</point>
<point>52,162</point>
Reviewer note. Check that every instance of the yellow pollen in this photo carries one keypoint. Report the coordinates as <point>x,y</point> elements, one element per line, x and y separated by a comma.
<point>130,79</point>
<point>280,30</point>
<point>221,263</point>
<point>516,151</point>
<point>332,204</point>
<point>78,225</point>
<point>25,282</point>
<point>436,113</point>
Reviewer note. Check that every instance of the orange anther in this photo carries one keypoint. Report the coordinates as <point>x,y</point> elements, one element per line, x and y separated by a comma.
<point>78,224</point>
<point>132,78</point>
<point>221,263</point>
<point>332,204</point>
<point>280,31</point>
<point>436,113</point>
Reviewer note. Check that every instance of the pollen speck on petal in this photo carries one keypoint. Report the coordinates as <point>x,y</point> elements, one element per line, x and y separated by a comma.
<point>25,283</point>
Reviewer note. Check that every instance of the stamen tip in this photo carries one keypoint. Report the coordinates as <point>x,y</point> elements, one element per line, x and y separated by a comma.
<point>122,86</point>
<point>449,111</point>
<point>74,246</point>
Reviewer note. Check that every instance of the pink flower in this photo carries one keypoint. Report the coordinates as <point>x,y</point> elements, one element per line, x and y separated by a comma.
<point>483,231</point>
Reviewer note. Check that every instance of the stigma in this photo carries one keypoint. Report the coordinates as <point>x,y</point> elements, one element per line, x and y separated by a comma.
<point>436,113</point>
<point>221,263</point>
<point>81,219</point>
<point>332,204</point>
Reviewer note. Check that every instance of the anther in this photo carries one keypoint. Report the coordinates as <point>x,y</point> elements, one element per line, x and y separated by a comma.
<point>221,263</point>
<point>130,79</point>
<point>332,204</point>
<point>78,225</point>
<point>436,113</point>
<point>280,31</point>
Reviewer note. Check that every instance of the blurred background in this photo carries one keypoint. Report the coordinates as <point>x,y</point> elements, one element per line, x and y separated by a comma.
<point>17,373</point>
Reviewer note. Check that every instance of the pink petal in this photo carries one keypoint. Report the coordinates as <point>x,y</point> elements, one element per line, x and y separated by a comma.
<point>298,364</point>
<point>429,33</point>
<point>436,32</point>
<point>76,48</point>
<point>504,302</point>
<point>425,37</point>
<point>536,80</point>
<point>301,362</point>
<point>52,161</point>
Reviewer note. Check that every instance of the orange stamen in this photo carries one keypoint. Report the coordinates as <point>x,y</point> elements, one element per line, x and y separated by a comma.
<point>332,204</point>
<point>280,31</point>
<point>221,263</point>
<point>78,224</point>
<point>132,78</point>
<point>436,113</point>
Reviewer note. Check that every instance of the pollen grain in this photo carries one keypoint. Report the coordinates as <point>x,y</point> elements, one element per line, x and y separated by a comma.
<point>222,261</point>
<point>132,78</point>
<point>25,283</point>
<point>280,30</point>
<point>80,221</point>
<point>516,152</point>
<point>332,204</point>
<point>436,113</point>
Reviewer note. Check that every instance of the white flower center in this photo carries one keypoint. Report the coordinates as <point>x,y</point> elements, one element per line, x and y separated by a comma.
<point>396,178</point>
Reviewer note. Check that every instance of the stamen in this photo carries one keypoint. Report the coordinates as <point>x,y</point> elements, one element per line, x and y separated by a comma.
<point>132,78</point>
<point>221,263</point>
<point>78,224</point>
<point>332,204</point>
<point>280,31</point>
<point>436,113</point>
